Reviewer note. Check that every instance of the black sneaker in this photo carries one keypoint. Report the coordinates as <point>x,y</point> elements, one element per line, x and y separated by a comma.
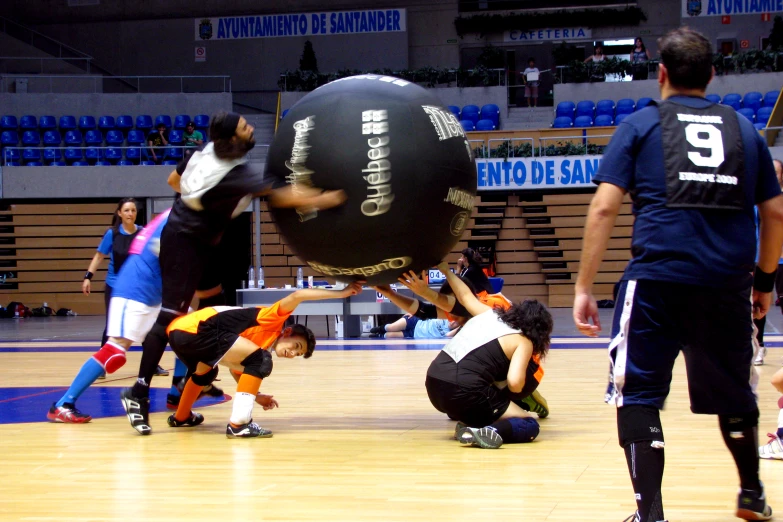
<point>377,329</point>
<point>194,420</point>
<point>635,518</point>
<point>486,438</point>
<point>246,431</point>
<point>752,505</point>
<point>161,372</point>
<point>138,411</point>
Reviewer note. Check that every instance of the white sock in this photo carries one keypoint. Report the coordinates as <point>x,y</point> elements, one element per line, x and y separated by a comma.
<point>242,411</point>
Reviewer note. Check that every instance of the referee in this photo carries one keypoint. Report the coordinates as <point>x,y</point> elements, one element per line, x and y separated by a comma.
<point>695,171</point>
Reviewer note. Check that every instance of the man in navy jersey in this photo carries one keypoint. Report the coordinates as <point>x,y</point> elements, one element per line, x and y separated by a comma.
<point>695,171</point>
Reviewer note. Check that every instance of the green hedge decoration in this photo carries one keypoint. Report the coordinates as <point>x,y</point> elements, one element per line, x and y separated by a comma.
<point>487,24</point>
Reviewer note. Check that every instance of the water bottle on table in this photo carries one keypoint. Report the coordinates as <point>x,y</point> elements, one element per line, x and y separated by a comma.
<point>299,278</point>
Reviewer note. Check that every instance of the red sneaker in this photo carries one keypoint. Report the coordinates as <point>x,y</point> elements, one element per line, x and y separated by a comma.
<point>68,414</point>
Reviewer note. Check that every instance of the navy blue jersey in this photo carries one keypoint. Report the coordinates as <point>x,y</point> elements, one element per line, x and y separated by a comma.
<point>699,246</point>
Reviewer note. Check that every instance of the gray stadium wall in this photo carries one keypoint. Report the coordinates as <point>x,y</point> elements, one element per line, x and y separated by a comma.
<point>113,104</point>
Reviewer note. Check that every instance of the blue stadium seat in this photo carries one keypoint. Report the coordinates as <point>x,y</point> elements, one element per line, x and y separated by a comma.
<point>714,98</point>
<point>67,123</point>
<point>73,137</point>
<point>46,123</point>
<point>202,122</point>
<point>619,118</point>
<point>93,137</point>
<point>9,123</point>
<point>34,163</point>
<point>9,138</point>
<point>124,123</point>
<point>170,162</point>
<point>136,137</point>
<point>733,100</point>
<point>80,163</point>
<point>485,125</point>
<point>93,154</point>
<point>51,137</point>
<point>86,123</point>
<point>147,163</point>
<point>11,155</point>
<point>58,164</point>
<point>144,122</point>
<point>125,163</point>
<point>12,163</point>
<point>106,124</point>
<point>470,113</point>
<point>165,119</point>
<point>454,110</point>
<point>490,112</point>
<point>760,126</point>
<point>114,138</point>
<point>31,138</point>
<point>133,154</point>
<point>583,121</point>
<point>28,122</point>
<point>112,154</point>
<point>467,125</point>
<point>73,153</point>
<point>752,100</point>
<point>563,122</point>
<point>624,106</point>
<point>176,137</point>
<point>763,114</point>
<point>497,284</point>
<point>771,98</point>
<point>642,103</point>
<point>585,108</point>
<point>603,120</point>
<point>52,154</point>
<point>102,163</point>
<point>748,113</point>
<point>566,108</point>
<point>180,121</point>
<point>604,108</point>
<point>31,155</point>
<point>173,153</point>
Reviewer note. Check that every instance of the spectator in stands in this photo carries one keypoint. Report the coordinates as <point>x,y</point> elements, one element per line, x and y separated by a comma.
<point>469,267</point>
<point>597,57</point>
<point>156,140</point>
<point>531,82</point>
<point>639,58</point>
<point>193,137</point>
<point>411,327</point>
<point>115,244</point>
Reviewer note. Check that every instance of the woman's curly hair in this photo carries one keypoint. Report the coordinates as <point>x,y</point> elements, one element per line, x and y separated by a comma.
<point>533,320</point>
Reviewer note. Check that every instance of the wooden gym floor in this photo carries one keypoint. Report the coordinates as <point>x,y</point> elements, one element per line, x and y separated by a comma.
<point>355,438</point>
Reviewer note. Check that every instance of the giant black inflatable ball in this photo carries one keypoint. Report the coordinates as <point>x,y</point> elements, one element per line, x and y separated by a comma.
<point>402,159</point>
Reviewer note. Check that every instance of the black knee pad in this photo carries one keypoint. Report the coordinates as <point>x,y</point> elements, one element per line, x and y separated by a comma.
<point>215,300</point>
<point>258,364</point>
<point>638,424</point>
<point>739,422</point>
<point>205,379</point>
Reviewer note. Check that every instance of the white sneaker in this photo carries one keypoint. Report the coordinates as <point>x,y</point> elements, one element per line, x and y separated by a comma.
<point>772,450</point>
<point>760,356</point>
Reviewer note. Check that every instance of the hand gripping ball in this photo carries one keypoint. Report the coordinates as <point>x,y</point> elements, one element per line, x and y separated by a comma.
<point>403,161</point>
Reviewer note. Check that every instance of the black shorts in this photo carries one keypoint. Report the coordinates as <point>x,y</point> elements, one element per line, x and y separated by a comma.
<point>208,346</point>
<point>186,264</point>
<point>655,320</point>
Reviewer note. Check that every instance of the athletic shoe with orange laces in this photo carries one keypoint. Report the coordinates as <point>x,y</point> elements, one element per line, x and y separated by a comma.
<point>67,413</point>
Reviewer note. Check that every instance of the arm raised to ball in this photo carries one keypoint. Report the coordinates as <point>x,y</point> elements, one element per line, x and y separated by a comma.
<point>419,286</point>
<point>405,303</point>
<point>291,301</point>
<point>305,197</point>
<point>463,293</point>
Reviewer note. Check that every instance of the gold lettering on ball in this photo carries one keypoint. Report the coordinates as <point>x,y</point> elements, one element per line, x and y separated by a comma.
<point>394,263</point>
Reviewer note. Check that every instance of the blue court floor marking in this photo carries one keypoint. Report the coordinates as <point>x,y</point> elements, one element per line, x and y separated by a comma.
<point>31,404</point>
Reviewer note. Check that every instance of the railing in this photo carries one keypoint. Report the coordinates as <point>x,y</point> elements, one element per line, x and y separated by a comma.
<point>771,134</point>
<point>6,61</point>
<point>508,148</point>
<point>119,84</point>
<point>572,144</point>
<point>39,41</point>
<point>494,77</point>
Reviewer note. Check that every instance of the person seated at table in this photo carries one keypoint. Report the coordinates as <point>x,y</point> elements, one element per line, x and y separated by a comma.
<point>411,327</point>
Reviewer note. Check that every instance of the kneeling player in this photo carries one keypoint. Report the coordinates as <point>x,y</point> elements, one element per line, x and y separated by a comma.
<point>494,346</point>
<point>242,339</point>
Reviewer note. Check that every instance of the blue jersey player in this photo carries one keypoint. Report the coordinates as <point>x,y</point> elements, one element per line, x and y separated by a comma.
<point>695,171</point>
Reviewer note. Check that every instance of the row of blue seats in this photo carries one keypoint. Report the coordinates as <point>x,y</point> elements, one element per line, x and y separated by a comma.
<point>590,109</point>
<point>480,125</point>
<point>10,155</point>
<point>752,100</point>
<point>472,113</point>
<point>564,122</point>
<point>123,123</point>
<point>10,138</point>
<point>99,163</point>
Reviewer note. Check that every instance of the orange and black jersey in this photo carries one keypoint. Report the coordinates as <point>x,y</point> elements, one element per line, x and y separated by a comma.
<point>262,326</point>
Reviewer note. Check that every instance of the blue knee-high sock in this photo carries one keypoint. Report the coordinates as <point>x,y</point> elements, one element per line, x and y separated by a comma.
<point>89,372</point>
<point>180,372</point>
<point>516,429</point>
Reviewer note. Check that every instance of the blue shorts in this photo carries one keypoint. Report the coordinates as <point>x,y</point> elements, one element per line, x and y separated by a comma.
<point>655,320</point>
<point>410,326</point>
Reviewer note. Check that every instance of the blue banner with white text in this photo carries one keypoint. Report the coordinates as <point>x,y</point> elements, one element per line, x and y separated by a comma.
<point>702,8</point>
<point>537,173</point>
<point>301,24</point>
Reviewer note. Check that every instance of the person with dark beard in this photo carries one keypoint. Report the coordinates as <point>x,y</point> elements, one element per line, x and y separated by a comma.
<point>216,184</point>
